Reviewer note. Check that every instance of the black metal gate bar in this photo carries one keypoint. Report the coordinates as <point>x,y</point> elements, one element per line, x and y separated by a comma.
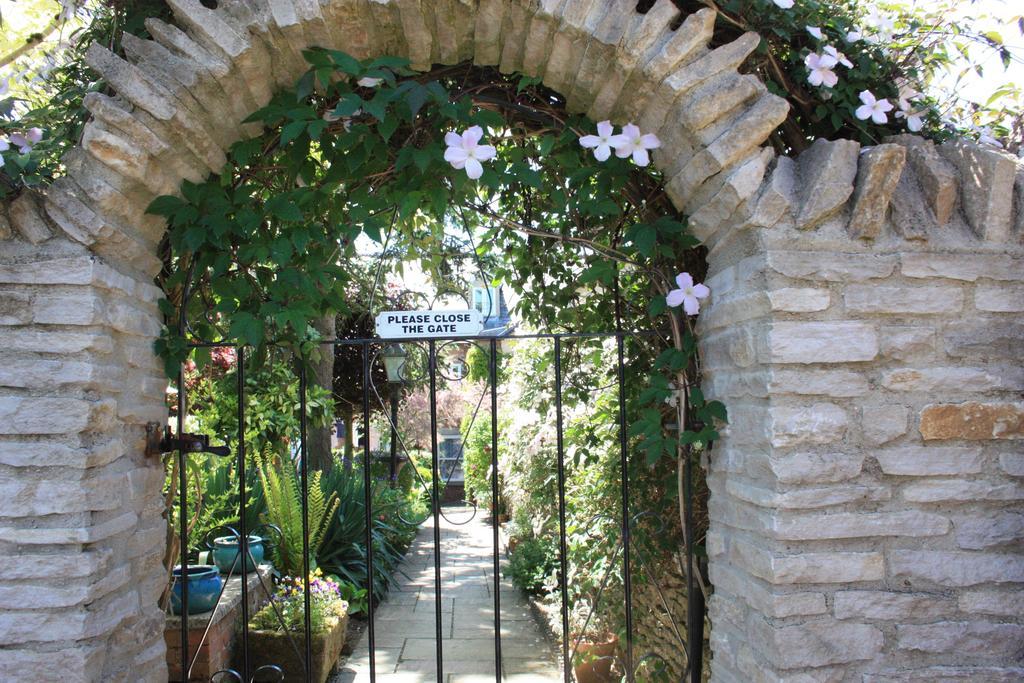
<point>563,558</point>
<point>493,372</point>
<point>183,523</point>
<point>367,508</point>
<point>627,575</point>
<point>304,471</point>
<point>694,621</point>
<point>242,503</point>
<point>439,629</point>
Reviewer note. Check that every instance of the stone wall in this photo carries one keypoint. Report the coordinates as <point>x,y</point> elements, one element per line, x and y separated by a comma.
<point>866,335</point>
<point>862,506</point>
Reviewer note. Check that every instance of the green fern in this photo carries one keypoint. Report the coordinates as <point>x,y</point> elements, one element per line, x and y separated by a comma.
<point>284,509</point>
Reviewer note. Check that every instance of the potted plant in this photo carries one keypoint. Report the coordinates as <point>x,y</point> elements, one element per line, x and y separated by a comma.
<point>204,587</point>
<point>595,647</point>
<point>277,632</point>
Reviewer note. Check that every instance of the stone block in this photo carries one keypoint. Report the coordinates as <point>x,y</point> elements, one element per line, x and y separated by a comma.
<point>994,529</point>
<point>923,461</point>
<point>799,299</point>
<point>809,567</point>
<point>967,267</point>
<point>808,498</point>
<point>818,643</point>
<point>1005,603</point>
<point>948,674</point>
<point>80,663</point>
<point>826,174</point>
<point>937,180</point>
<point>27,219</point>
<point>816,468</point>
<point>882,424</point>
<point>966,638</point>
<point>973,421</point>
<point>901,299</point>
<point>999,298</point>
<point>819,423</point>
<point>891,606</point>
<point>806,382</point>
<point>816,342</point>
<point>830,266</point>
<point>46,415</point>
<point>877,175</point>
<point>778,195</point>
<point>984,340</point>
<point>956,568</point>
<point>958,491</point>
<point>1012,464</point>
<point>986,193</point>
<point>944,381</point>
<point>904,343</point>
<point>818,527</point>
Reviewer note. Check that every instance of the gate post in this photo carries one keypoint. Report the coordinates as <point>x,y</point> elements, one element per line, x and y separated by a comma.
<point>866,339</point>
<point>81,526</point>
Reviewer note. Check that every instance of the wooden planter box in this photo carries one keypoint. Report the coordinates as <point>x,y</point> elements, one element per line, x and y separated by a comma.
<point>271,647</point>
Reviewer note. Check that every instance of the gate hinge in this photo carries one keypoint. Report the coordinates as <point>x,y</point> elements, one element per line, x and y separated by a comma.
<point>168,442</point>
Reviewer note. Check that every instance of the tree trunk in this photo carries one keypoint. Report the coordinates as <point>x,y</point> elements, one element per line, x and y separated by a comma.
<point>319,447</point>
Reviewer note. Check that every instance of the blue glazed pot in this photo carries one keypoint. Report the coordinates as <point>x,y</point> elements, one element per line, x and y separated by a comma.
<point>203,589</point>
<point>227,554</point>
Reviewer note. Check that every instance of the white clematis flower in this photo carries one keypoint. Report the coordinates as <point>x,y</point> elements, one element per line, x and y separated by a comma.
<point>873,108</point>
<point>783,4</point>
<point>838,56</point>
<point>5,86</point>
<point>630,143</point>
<point>854,36</point>
<point>34,135</point>
<point>369,82</point>
<point>914,117</point>
<point>688,294</point>
<point>465,151</point>
<point>602,142</point>
<point>815,31</point>
<point>4,146</point>
<point>820,68</point>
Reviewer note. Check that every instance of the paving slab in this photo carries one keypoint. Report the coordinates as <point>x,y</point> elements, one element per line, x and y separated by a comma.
<point>405,622</point>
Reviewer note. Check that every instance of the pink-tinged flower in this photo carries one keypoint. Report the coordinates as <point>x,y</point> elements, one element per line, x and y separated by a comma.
<point>5,86</point>
<point>34,135</point>
<point>688,294</point>
<point>784,4</point>
<point>873,108</point>
<point>854,36</point>
<point>369,82</point>
<point>815,31</point>
<point>820,68</point>
<point>600,143</point>
<point>21,141</point>
<point>630,143</point>
<point>4,145</point>
<point>838,56</point>
<point>465,151</point>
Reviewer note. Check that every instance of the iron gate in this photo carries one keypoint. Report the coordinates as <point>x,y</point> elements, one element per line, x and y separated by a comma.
<point>633,664</point>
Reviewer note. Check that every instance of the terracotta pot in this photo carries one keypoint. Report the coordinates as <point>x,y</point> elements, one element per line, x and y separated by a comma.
<point>270,647</point>
<point>595,660</point>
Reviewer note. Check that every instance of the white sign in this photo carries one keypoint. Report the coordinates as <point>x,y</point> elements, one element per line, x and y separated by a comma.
<point>409,324</point>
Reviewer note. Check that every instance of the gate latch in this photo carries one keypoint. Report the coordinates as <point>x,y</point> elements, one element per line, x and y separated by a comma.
<point>188,443</point>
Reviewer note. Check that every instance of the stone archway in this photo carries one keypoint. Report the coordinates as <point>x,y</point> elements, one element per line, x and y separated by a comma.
<point>862,334</point>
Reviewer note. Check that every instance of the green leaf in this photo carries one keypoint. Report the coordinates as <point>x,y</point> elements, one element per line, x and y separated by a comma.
<point>387,127</point>
<point>285,209</point>
<point>346,62</point>
<point>245,327</point>
<point>292,131</point>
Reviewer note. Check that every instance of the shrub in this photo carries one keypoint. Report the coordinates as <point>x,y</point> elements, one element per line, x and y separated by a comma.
<point>532,564</point>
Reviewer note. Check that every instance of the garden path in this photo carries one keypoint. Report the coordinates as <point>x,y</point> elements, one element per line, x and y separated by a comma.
<point>405,620</point>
